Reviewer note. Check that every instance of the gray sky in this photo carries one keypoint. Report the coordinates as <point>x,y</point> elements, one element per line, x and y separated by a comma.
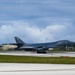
<point>37,20</point>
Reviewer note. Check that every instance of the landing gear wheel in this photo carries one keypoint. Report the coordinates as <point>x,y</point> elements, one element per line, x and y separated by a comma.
<point>41,52</point>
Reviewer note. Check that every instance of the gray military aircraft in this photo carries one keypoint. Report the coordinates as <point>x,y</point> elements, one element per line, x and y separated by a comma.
<point>43,47</point>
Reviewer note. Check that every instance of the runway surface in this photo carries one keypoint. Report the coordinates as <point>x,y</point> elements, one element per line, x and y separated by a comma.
<point>36,69</point>
<point>23,53</point>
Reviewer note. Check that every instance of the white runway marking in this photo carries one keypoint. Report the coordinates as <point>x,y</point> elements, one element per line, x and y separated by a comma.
<point>35,69</point>
<point>72,69</point>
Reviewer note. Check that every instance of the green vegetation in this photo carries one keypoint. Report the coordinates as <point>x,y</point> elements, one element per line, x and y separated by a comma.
<point>32,59</point>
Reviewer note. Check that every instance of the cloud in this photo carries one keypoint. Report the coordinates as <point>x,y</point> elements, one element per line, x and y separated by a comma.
<point>32,33</point>
<point>46,20</point>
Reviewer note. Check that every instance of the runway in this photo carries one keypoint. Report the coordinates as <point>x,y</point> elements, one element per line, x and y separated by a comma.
<point>36,69</point>
<point>23,53</point>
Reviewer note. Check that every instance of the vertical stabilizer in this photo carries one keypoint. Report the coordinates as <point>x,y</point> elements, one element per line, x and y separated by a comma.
<point>19,41</point>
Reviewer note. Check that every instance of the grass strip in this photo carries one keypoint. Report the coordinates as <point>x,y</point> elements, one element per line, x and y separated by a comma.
<point>32,59</point>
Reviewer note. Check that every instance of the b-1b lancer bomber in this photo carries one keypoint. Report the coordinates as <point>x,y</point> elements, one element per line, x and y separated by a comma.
<point>43,47</point>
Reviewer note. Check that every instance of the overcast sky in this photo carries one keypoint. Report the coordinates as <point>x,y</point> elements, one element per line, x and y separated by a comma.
<point>37,20</point>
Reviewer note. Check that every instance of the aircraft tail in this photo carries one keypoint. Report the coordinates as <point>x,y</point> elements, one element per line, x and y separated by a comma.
<point>19,41</point>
